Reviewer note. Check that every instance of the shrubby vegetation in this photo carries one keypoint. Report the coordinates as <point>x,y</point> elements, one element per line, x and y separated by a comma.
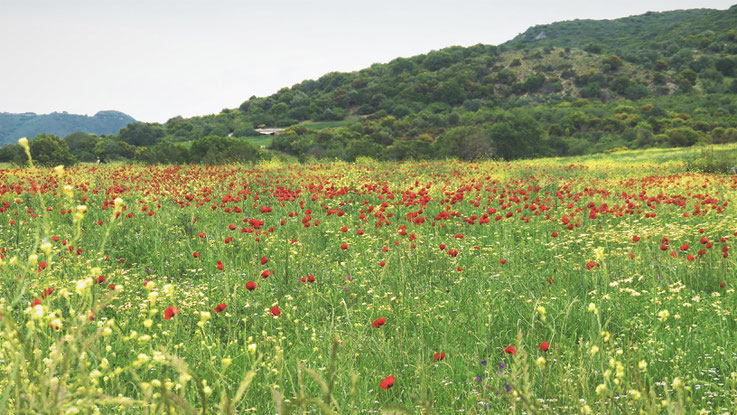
<point>570,88</point>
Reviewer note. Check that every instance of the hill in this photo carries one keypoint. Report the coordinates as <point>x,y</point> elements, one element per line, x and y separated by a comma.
<point>668,31</point>
<point>15,126</point>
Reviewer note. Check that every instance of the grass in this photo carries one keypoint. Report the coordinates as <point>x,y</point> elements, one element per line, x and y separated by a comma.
<point>467,259</point>
<point>261,141</point>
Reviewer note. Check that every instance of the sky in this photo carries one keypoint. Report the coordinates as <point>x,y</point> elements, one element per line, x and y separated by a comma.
<point>156,59</point>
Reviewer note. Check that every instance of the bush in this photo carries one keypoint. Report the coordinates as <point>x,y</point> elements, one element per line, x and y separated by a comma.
<point>711,164</point>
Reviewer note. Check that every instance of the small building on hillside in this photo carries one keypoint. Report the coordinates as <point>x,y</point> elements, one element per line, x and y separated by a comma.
<point>269,131</point>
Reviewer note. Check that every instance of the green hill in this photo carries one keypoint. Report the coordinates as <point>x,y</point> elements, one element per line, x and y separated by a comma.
<point>668,32</point>
<point>15,126</point>
<point>569,88</point>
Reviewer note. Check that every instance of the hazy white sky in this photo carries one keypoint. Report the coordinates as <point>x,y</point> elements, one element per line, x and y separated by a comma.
<point>155,59</point>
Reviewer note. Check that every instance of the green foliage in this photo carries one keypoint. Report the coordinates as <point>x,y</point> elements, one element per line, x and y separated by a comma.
<point>49,150</point>
<point>15,126</point>
<point>214,150</point>
<point>82,145</point>
<point>709,162</point>
<point>516,135</point>
<point>142,134</point>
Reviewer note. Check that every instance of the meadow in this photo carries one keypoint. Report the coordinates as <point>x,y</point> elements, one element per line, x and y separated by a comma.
<point>585,285</point>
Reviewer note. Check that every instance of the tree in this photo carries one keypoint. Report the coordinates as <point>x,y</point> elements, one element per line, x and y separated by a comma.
<point>516,135</point>
<point>726,66</point>
<point>13,153</point>
<point>465,143</point>
<point>141,134</point>
<point>82,145</point>
<point>612,63</point>
<point>49,150</point>
<point>682,136</point>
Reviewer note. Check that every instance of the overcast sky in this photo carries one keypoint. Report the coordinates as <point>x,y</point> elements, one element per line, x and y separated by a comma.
<point>156,59</point>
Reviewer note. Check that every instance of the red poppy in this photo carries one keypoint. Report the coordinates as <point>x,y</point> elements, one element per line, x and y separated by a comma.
<point>439,356</point>
<point>387,383</point>
<point>722,284</point>
<point>266,274</point>
<point>47,292</point>
<point>220,307</point>
<point>554,234</point>
<point>35,302</point>
<point>100,279</point>
<point>502,261</point>
<point>591,265</point>
<point>170,312</point>
<point>510,350</point>
<point>344,247</point>
<point>378,322</point>
<point>275,311</point>
<point>544,346</point>
<point>635,238</point>
<point>264,260</point>
<point>195,254</point>
<point>111,286</point>
<point>550,280</point>
<point>311,278</point>
<point>704,241</point>
<point>684,247</point>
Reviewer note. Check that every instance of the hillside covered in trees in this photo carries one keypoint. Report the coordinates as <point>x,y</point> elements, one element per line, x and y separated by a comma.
<point>568,88</point>
<point>29,124</point>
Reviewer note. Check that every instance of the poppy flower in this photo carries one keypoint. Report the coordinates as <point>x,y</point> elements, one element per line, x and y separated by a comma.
<point>439,356</point>
<point>220,307</point>
<point>264,260</point>
<point>100,279</point>
<point>387,383</point>
<point>310,278</point>
<point>35,302</point>
<point>195,254</point>
<point>544,346</point>
<point>250,285</point>
<point>378,322</point>
<point>502,261</point>
<point>266,274</point>
<point>722,284</point>
<point>170,312</point>
<point>510,350</point>
<point>554,234</point>
<point>47,292</point>
<point>275,311</point>
<point>591,265</point>
<point>344,247</point>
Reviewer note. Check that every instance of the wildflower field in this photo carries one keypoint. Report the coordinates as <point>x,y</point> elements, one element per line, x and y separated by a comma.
<point>548,286</point>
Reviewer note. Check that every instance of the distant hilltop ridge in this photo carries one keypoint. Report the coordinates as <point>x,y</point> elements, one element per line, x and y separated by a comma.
<point>30,124</point>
